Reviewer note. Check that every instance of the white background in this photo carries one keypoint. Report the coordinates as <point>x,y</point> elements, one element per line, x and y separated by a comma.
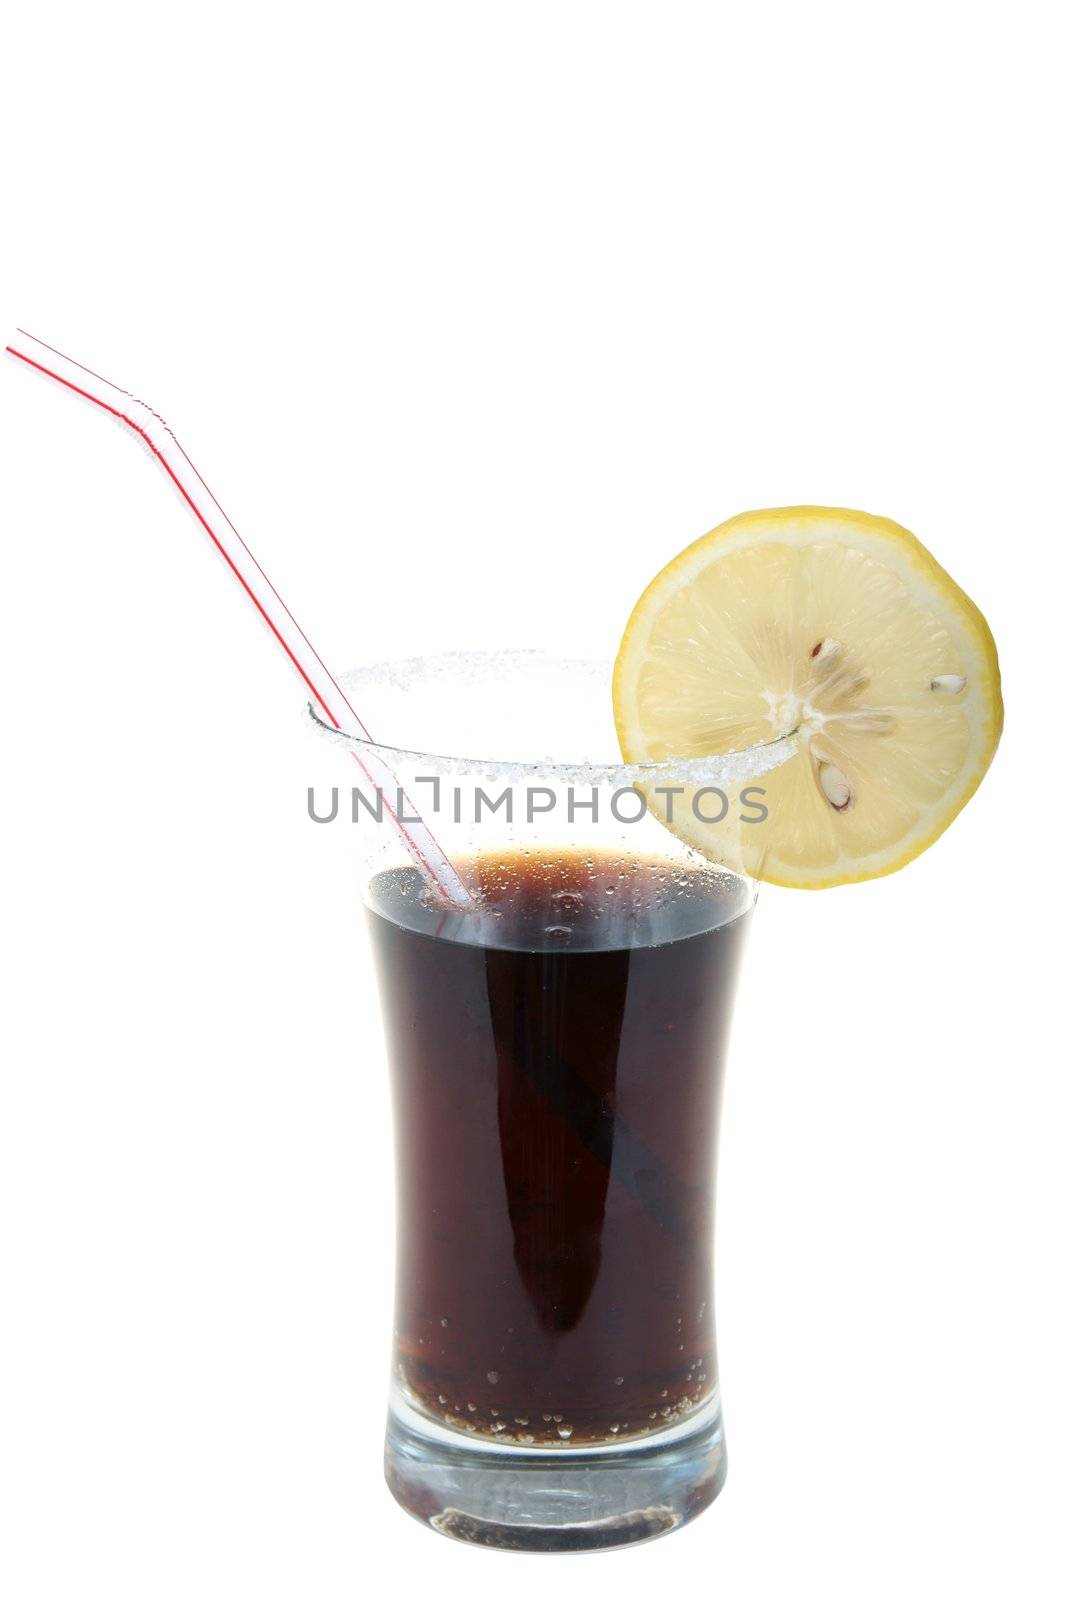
<point>473,315</point>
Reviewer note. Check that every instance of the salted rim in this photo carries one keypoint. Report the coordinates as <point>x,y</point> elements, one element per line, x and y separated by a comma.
<point>412,672</point>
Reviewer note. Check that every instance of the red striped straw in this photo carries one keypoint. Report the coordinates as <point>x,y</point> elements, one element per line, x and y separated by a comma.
<point>326,692</point>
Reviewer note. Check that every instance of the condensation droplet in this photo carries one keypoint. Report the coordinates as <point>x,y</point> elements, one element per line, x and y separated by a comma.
<point>567,900</point>
<point>564,1430</point>
<point>494,1377</point>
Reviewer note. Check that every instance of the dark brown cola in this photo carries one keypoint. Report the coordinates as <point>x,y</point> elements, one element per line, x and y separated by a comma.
<point>557,1058</point>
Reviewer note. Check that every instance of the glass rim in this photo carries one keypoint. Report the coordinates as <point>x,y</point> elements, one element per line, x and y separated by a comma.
<point>406,673</point>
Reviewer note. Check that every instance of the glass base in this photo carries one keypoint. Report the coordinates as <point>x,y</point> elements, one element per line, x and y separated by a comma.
<point>509,1498</point>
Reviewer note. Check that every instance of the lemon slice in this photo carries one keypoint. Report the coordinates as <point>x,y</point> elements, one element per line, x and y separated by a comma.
<point>843,628</point>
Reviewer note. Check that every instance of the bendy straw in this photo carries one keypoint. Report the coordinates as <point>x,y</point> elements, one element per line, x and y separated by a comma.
<point>327,694</point>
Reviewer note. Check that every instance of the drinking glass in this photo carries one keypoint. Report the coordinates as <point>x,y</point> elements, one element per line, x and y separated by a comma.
<point>556,1051</point>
